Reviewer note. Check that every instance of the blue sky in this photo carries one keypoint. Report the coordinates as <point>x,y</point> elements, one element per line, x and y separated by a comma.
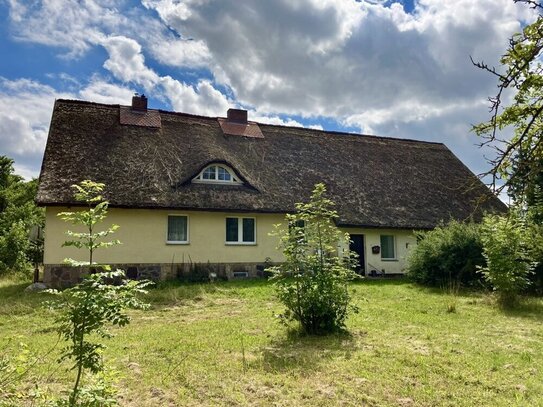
<point>390,68</point>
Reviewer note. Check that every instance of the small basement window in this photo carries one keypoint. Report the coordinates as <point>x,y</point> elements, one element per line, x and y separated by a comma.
<point>217,174</point>
<point>240,230</point>
<point>178,229</point>
<point>388,247</point>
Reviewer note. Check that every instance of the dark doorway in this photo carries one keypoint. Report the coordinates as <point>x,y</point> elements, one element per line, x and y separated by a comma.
<point>357,246</point>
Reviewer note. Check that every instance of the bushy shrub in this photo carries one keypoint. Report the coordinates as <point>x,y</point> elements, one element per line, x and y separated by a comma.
<point>312,282</point>
<point>449,253</point>
<point>14,246</point>
<point>506,242</point>
<point>18,213</point>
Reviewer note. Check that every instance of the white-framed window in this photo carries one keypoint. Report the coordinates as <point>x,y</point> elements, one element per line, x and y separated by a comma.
<point>178,229</point>
<point>388,247</point>
<point>217,174</point>
<point>240,230</point>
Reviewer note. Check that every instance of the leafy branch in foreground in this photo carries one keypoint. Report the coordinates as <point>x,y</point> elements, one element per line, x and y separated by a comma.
<point>518,161</point>
<point>100,299</point>
<point>312,283</point>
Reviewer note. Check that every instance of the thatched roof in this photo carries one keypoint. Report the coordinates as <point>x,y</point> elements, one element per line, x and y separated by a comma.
<point>375,181</point>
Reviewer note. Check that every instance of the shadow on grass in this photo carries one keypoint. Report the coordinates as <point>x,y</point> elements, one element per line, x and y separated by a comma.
<point>531,308</point>
<point>297,352</point>
<point>382,282</point>
<point>177,292</point>
<point>14,300</point>
<point>13,289</point>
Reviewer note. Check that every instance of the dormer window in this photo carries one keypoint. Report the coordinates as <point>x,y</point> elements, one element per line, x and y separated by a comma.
<point>217,174</point>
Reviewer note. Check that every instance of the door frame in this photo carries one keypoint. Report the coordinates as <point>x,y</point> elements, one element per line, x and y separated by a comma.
<point>365,265</point>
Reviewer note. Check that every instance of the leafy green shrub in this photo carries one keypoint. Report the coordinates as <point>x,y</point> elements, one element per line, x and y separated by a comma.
<point>506,240</point>
<point>18,213</point>
<point>14,246</point>
<point>313,281</point>
<point>449,253</point>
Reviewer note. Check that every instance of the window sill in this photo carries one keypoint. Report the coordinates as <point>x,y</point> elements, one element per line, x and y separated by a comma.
<point>216,182</point>
<point>389,260</point>
<point>177,243</point>
<point>240,243</point>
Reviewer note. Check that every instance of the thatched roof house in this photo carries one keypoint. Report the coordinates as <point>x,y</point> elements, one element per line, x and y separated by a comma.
<point>153,160</point>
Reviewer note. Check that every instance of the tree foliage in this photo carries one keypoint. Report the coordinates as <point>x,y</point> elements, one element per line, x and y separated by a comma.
<point>18,213</point>
<point>506,248</point>
<point>518,162</point>
<point>101,299</point>
<point>449,254</point>
<point>312,283</point>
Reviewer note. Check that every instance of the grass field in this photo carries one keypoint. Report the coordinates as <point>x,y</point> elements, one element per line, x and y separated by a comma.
<point>219,344</point>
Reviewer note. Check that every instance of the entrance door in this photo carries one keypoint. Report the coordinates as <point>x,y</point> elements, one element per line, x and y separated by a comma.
<point>357,246</point>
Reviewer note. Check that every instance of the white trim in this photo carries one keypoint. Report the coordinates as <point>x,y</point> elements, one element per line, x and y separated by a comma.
<point>199,179</point>
<point>178,242</point>
<point>240,241</point>
<point>395,258</point>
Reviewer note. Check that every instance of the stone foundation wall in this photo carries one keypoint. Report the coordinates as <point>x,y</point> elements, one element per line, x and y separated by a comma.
<point>63,276</point>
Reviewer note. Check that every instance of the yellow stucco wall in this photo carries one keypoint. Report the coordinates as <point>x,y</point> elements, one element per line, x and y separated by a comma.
<point>404,241</point>
<point>143,236</point>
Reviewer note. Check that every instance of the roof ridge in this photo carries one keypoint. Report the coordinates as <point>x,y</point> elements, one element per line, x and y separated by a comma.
<point>344,133</point>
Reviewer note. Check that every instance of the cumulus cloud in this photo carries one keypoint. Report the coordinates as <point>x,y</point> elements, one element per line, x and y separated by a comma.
<point>23,135</point>
<point>341,58</point>
<point>75,27</point>
<point>127,63</point>
<point>271,119</point>
<point>101,91</point>
<point>69,24</point>
<point>203,99</point>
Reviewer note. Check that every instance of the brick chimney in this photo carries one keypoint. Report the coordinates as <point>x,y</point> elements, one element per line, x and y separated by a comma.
<point>139,103</point>
<point>237,116</point>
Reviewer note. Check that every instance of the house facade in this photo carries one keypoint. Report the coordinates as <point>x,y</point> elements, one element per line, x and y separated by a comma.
<point>195,195</point>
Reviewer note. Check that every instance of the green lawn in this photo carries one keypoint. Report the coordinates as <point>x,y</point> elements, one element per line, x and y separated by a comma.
<point>219,344</point>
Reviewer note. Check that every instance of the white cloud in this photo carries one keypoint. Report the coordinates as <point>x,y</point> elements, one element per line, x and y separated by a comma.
<point>270,119</point>
<point>203,99</point>
<point>25,112</point>
<point>180,52</point>
<point>68,24</point>
<point>127,63</point>
<point>343,57</point>
<point>101,91</point>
